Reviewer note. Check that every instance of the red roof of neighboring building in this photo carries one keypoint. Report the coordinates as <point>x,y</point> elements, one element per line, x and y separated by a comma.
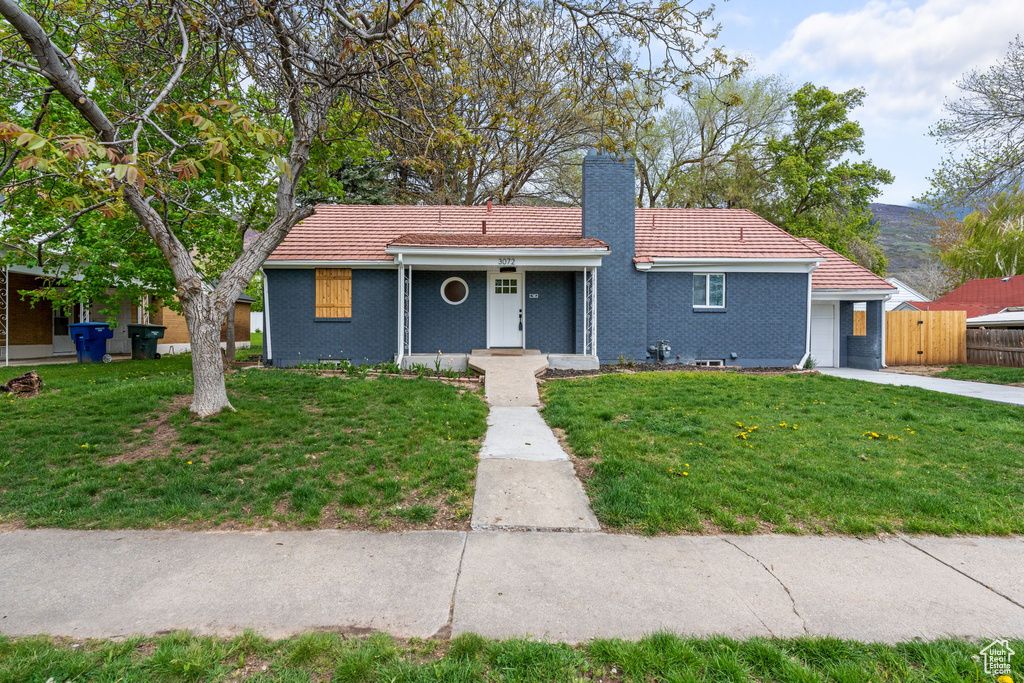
<point>712,233</point>
<point>839,272</point>
<point>973,310</point>
<point>991,291</point>
<point>362,233</point>
<point>490,240</point>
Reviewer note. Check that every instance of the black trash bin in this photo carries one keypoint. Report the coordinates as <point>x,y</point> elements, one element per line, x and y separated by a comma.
<point>144,340</point>
<point>91,341</point>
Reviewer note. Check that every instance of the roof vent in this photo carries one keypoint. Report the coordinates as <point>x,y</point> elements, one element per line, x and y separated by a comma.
<point>484,226</point>
<point>741,232</point>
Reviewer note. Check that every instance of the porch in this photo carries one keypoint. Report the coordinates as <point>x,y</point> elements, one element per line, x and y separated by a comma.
<point>480,295</point>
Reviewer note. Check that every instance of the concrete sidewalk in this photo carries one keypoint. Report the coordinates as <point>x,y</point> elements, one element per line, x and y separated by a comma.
<point>568,587</point>
<point>990,392</point>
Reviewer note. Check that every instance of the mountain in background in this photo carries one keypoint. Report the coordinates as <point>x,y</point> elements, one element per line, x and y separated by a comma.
<point>905,235</point>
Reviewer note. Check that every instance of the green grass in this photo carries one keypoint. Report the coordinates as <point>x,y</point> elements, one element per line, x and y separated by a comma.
<point>301,451</point>
<point>255,347</point>
<point>984,373</point>
<point>468,658</point>
<point>697,452</point>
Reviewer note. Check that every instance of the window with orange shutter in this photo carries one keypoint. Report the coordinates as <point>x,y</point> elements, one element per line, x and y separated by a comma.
<point>333,292</point>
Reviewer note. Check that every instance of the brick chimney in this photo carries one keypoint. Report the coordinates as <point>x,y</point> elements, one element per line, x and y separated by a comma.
<point>609,214</point>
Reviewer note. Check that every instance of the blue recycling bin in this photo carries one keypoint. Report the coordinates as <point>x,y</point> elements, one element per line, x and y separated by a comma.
<point>91,341</point>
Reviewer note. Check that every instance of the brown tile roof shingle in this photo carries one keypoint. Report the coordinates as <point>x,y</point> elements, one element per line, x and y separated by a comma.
<point>839,272</point>
<point>362,233</point>
<point>490,240</point>
<point>712,233</point>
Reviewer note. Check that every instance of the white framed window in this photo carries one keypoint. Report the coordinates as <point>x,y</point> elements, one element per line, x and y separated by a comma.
<point>454,290</point>
<point>711,363</point>
<point>709,290</point>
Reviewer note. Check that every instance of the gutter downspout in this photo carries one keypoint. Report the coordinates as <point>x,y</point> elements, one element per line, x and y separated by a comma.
<point>267,353</point>
<point>882,359</point>
<point>807,337</point>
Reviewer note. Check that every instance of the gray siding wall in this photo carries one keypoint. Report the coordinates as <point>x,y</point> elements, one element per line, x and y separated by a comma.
<point>438,325</point>
<point>609,200</point>
<point>764,322</point>
<point>550,317</point>
<point>369,336</point>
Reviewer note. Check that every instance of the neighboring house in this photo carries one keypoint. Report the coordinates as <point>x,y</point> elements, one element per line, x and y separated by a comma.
<point>1011,317</point>
<point>39,330</point>
<point>903,293</point>
<point>176,339</point>
<point>604,282</point>
<point>985,296</point>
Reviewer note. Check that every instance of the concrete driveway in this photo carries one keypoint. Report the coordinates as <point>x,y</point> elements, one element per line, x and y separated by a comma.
<point>988,392</point>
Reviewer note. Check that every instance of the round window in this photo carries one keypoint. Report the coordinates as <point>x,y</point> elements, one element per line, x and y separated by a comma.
<point>454,290</point>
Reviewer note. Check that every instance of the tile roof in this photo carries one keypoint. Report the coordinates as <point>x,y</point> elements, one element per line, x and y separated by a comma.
<point>491,240</point>
<point>362,233</point>
<point>839,272</point>
<point>992,291</point>
<point>712,233</point>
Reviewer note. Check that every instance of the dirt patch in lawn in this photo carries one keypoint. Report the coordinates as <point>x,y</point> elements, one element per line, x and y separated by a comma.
<point>163,438</point>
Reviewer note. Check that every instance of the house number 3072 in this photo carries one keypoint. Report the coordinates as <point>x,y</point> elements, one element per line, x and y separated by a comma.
<point>506,262</point>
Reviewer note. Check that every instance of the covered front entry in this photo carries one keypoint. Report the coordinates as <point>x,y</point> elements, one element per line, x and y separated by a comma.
<point>505,310</point>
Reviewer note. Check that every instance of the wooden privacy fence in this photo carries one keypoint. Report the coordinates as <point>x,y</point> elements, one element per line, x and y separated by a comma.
<point>921,337</point>
<point>996,347</point>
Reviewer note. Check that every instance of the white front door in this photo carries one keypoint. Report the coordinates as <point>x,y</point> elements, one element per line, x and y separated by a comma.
<point>505,310</point>
<point>62,317</point>
<point>823,334</point>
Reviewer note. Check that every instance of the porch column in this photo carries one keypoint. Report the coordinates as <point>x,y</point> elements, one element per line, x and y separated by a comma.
<point>590,311</point>
<point>400,334</point>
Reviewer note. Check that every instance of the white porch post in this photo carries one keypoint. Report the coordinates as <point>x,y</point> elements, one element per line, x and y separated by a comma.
<point>408,310</point>
<point>401,311</point>
<point>593,313</point>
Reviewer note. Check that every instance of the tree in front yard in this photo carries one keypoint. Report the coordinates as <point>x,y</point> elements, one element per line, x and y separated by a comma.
<point>171,112</point>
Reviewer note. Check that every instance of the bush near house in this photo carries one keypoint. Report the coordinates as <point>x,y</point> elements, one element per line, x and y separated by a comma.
<point>114,446</point>
<point>698,452</point>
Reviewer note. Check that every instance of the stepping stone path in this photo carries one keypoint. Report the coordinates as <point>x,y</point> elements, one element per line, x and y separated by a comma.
<point>525,481</point>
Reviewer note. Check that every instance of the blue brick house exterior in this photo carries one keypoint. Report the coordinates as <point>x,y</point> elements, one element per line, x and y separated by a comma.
<point>605,283</point>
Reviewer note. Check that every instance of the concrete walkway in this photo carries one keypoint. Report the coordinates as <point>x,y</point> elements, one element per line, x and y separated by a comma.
<point>525,480</point>
<point>555,586</point>
<point>989,392</point>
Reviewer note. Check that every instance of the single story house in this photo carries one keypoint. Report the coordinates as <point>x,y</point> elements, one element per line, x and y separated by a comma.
<point>984,296</point>
<point>606,282</point>
<point>1011,317</point>
<point>903,292</point>
<point>37,330</point>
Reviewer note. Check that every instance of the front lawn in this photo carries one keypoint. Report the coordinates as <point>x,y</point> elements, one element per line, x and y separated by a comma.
<point>114,446</point>
<point>984,373</point>
<point>469,658</point>
<point>704,452</point>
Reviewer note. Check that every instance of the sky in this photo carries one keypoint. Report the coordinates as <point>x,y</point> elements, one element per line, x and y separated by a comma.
<point>907,55</point>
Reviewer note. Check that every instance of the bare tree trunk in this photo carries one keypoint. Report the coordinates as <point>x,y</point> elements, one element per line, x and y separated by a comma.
<point>229,334</point>
<point>210,394</point>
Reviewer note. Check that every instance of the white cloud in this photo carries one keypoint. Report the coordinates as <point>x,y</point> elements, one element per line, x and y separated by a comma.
<point>907,57</point>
